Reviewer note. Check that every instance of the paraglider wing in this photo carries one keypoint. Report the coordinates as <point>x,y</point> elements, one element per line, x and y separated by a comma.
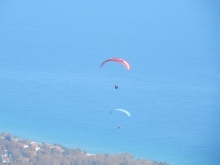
<point>122,110</point>
<point>119,60</point>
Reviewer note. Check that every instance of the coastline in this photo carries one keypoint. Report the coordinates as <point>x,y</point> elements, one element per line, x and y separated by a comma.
<point>24,151</point>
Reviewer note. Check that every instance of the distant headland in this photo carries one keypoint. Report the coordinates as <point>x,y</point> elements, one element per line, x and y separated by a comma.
<point>15,151</point>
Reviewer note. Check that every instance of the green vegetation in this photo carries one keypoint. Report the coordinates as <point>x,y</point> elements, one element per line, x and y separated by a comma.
<point>14,151</point>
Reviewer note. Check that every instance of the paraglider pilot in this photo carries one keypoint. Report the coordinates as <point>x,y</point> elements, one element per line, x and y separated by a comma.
<point>116,86</point>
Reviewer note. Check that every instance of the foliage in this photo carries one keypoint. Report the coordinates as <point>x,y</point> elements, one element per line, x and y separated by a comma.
<point>23,152</point>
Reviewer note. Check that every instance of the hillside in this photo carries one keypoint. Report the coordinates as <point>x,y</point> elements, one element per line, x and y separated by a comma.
<point>15,151</point>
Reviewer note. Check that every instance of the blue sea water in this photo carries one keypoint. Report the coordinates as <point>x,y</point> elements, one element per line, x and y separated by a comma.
<point>53,90</point>
<point>174,120</point>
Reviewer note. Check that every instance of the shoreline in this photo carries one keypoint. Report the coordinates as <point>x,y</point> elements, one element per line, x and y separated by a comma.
<point>30,151</point>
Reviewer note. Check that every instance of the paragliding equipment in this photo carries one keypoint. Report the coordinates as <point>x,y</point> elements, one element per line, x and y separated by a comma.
<point>119,60</point>
<point>122,110</point>
<point>128,67</point>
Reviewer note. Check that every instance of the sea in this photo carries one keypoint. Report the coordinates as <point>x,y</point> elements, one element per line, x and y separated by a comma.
<point>53,90</point>
<point>174,106</point>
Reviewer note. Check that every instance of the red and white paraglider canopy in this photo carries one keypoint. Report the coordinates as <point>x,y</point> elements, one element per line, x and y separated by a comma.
<point>119,60</point>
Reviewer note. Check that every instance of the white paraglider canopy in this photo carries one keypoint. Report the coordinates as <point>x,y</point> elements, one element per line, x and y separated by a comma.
<point>122,110</point>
